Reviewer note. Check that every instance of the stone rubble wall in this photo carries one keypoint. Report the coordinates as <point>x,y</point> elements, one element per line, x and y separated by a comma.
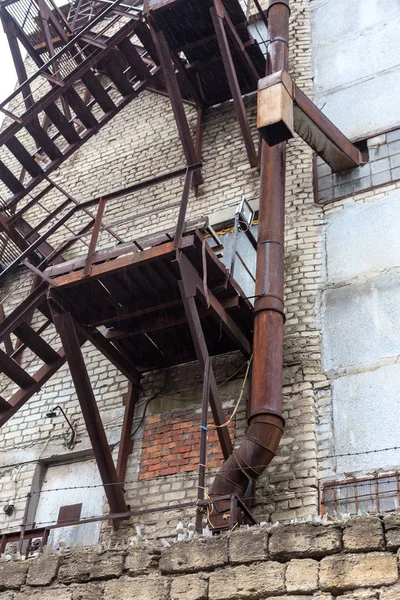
<point>357,560</point>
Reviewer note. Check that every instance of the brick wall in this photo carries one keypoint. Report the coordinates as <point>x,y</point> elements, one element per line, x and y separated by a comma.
<point>356,560</point>
<point>141,142</point>
<point>171,444</point>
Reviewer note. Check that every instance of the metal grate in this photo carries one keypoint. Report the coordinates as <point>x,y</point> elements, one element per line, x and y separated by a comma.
<point>373,494</point>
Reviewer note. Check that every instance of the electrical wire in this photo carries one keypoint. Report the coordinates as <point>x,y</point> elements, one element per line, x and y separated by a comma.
<point>212,426</point>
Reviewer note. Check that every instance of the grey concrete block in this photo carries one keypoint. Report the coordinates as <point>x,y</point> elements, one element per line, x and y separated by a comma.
<point>364,405</point>
<point>323,169</point>
<point>325,182</point>
<point>395,161</point>
<point>395,173</point>
<point>197,556</point>
<point>394,147</point>
<point>378,166</point>
<point>361,322</point>
<point>348,238</point>
<point>381,178</point>
<point>304,541</point>
<point>393,136</point>
<point>377,152</point>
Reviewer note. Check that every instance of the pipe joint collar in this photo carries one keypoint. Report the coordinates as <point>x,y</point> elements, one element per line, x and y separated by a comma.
<point>269,302</point>
<point>284,2</point>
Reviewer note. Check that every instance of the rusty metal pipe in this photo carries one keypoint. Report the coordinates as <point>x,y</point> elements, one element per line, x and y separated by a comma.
<point>266,422</point>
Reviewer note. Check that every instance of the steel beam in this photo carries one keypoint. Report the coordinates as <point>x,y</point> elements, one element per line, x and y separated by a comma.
<point>214,306</point>
<point>227,59</point>
<point>64,324</point>
<point>126,442</point>
<point>172,86</point>
<point>188,290</point>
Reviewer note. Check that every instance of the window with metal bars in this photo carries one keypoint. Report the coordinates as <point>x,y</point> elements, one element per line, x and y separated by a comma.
<point>373,494</point>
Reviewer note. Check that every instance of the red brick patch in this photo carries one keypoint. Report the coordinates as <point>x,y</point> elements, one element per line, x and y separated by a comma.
<point>171,444</point>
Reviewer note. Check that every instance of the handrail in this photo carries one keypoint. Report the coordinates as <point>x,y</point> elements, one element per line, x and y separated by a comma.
<point>95,201</point>
<point>56,57</point>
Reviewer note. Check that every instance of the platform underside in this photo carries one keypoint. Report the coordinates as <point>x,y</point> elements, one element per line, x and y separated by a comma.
<point>189,29</point>
<point>135,301</point>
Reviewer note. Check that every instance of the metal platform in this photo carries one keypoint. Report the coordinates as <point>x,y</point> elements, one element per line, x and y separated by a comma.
<point>135,300</point>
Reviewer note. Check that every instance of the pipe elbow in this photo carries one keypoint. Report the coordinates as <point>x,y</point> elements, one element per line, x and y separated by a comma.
<point>247,463</point>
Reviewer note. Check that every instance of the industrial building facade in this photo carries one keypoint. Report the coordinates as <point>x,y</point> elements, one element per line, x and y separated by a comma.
<point>117,257</point>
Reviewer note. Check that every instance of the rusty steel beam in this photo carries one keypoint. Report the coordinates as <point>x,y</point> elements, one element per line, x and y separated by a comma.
<point>214,306</point>
<point>6,339</point>
<point>94,237</point>
<point>180,226</point>
<point>69,337</point>
<point>218,22</point>
<point>188,290</point>
<point>236,41</point>
<point>126,442</point>
<point>178,109</point>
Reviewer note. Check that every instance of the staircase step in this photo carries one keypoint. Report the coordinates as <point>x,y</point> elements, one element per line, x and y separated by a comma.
<point>4,405</point>
<point>114,65</point>
<point>42,140</point>
<point>98,92</point>
<point>83,113</point>
<point>66,128</point>
<point>9,179</point>
<point>37,344</point>
<point>16,373</point>
<point>133,58</point>
<point>23,156</point>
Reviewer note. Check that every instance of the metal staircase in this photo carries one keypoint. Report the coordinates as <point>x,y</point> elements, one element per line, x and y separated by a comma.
<point>85,83</point>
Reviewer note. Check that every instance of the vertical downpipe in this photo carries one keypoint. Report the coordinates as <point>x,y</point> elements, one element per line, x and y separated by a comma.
<point>265,412</point>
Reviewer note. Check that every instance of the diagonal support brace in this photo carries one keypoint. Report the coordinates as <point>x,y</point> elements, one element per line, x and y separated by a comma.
<point>64,324</point>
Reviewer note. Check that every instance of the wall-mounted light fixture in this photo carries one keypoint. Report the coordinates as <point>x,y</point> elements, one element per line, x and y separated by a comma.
<point>245,212</point>
<point>53,413</point>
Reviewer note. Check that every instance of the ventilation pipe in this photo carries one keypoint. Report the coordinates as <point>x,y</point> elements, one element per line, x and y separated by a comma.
<point>265,412</point>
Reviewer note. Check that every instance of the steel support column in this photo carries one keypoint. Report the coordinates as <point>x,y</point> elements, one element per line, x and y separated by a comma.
<point>188,291</point>
<point>64,324</point>
<point>218,22</point>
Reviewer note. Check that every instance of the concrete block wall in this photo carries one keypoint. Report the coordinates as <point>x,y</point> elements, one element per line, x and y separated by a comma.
<point>356,560</point>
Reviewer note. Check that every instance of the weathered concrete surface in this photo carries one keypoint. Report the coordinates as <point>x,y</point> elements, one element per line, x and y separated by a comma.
<point>190,587</point>
<point>43,571</point>
<point>83,566</point>
<point>360,322</point>
<point>356,399</point>
<point>140,561</point>
<point>247,582</point>
<point>192,557</point>
<point>45,594</point>
<point>90,591</point>
<point>390,594</point>
<point>304,541</point>
<point>351,571</point>
<point>140,588</point>
<point>248,546</point>
<point>12,575</point>
<point>363,534</point>
<point>363,238</point>
<point>350,85</point>
<point>391,524</point>
<point>302,575</point>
